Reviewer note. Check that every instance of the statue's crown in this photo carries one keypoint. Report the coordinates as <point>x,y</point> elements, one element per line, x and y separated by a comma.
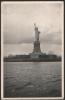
<point>35,25</point>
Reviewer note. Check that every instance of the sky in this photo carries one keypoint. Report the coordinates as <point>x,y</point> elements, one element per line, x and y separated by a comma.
<point>18,20</point>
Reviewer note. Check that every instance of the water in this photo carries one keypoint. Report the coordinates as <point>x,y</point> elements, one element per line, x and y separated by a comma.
<point>32,79</point>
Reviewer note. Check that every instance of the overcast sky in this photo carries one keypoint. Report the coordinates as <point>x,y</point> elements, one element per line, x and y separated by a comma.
<point>18,20</point>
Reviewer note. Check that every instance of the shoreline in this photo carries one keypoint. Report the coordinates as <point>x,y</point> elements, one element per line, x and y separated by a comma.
<point>32,60</point>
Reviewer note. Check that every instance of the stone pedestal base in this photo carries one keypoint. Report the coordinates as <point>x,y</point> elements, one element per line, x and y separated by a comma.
<point>36,46</point>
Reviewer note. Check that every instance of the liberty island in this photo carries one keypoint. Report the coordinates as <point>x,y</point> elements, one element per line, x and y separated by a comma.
<point>36,55</point>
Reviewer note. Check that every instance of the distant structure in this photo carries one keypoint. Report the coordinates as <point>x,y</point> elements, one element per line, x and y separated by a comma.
<point>36,55</point>
<point>36,50</point>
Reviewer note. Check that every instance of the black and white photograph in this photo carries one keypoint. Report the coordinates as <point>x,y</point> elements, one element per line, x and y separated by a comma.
<point>32,50</point>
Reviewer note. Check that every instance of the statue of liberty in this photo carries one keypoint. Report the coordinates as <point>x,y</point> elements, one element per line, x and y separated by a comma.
<point>36,50</point>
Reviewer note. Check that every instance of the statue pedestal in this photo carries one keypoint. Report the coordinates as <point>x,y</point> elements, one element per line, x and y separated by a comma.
<point>36,46</point>
<point>36,51</point>
<point>35,55</point>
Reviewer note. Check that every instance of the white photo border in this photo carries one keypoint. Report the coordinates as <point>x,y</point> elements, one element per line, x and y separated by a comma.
<point>2,63</point>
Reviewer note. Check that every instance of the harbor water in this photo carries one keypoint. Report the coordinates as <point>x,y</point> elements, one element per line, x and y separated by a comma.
<point>32,79</point>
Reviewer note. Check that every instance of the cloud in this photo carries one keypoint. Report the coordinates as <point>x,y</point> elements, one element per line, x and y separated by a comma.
<point>49,38</point>
<point>19,18</point>
<point>52,38</point>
